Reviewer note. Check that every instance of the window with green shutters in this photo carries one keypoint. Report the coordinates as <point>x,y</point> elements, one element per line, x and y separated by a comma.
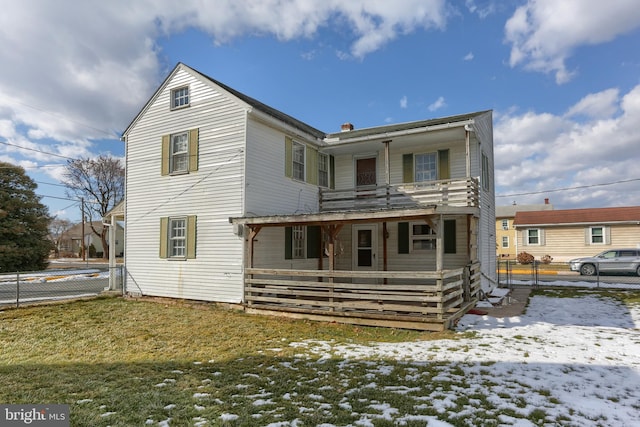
<point>419,236</point>
<point>304,163</point>
<point>424,167</point>
<point>178,237</point>
<point>302,242</point>
<point>180,152</point>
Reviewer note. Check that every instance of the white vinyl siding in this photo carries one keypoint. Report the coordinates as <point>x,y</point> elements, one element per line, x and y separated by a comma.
<point>213,194</point>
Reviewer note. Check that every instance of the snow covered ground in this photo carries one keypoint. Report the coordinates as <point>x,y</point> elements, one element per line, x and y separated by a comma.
<point>577,360</point>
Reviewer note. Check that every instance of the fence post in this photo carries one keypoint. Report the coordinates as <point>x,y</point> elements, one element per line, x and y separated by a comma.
<point>17,289</point>
<point>534,273</point>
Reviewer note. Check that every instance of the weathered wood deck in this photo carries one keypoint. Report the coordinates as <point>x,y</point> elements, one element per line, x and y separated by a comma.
<point>426,300</point>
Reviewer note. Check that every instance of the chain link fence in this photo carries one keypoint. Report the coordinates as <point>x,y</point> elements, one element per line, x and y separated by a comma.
<point>601,275</point>
<point>22,288</point>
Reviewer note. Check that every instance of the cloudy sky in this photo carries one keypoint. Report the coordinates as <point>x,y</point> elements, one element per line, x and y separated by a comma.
<point>562,78</point>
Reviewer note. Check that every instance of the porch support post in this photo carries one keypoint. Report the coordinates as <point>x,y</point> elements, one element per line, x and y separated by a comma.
<point>253,232</point>
<point>467,144</point>
<point>332,230</point>
<point>112,254</point>
<point>385,234</point>
<point>387,170</point>
<point>440,265</point>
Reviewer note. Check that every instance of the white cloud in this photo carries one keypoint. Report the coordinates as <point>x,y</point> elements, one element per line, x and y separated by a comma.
<point>81,70</point>
<point>542,151</point>
<point>602,104</point>
<point>438,104</point>
<point>468,57</point>
<point>482,10</point>
<point>403,102</point>
<point>544,33</point>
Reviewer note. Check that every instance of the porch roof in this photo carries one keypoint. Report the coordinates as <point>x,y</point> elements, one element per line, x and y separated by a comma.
<point>351,217</point>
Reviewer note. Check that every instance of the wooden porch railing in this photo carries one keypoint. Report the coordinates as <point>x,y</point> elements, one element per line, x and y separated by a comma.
<point>421,296</point>
<point>461,193</point>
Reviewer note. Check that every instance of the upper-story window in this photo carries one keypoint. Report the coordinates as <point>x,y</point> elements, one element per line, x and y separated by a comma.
<point>323,170</point>
<point>179,157</point>
<point>298,161</point>
<point>180,152</point>
<point>426,167</point>
<point>180,97</point>
<point>505,224</point>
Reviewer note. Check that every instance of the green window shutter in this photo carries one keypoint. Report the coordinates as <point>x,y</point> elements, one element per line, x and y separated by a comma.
<point>164,225</point>
<point>288,157</point>
<point>332,172</point>
<point>314,237</point>
<point>403,237</point>
<point>449,236</point>
<point>444,170</point>
<point>312,165</point>
<point>407,168</point>
<point>164,169</point>
<point>191,237</point>
<point>193,150</point>
<point>288,246</point>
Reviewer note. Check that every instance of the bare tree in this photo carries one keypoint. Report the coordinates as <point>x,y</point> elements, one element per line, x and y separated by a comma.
<point>57,228</point>
<point>100,183</point>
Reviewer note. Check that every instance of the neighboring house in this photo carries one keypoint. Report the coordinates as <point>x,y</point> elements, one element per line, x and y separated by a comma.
<point>230,200</point>
<point>571,233</point>
<point>506,241</point>
<point>71,239</point>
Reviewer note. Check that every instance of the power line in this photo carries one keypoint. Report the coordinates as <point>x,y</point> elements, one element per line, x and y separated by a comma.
<point>568,188</point>
<point>36,150</point>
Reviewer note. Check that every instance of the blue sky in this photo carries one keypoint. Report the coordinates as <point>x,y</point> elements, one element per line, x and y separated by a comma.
<point>562,78</point>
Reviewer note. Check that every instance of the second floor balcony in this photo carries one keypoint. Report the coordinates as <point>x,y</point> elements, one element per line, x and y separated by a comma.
<point>450,192</point>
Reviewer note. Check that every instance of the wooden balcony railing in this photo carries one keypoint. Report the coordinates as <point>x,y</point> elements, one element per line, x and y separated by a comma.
<point>459,193</point>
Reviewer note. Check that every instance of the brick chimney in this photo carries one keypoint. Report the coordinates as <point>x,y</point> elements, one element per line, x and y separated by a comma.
<point>546,201</point>
<point>346,127</point>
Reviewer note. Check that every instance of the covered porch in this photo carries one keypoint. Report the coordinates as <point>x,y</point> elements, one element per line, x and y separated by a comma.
<point>388,294</point>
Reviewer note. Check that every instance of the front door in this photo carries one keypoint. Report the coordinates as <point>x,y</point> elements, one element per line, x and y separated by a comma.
<point>365,247</point>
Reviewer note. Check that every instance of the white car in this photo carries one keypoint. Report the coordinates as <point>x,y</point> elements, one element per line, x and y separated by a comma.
<point>610,261</point>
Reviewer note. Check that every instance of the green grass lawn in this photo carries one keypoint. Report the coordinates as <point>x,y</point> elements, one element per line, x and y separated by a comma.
<point>126,362</point>
<point>133,360</point>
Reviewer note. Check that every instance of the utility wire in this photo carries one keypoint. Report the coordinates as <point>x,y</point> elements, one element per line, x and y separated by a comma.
<point>569,188</point>
<point>36,150</point>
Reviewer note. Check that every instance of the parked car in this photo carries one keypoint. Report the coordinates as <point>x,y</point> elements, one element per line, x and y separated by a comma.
<point>610,261</point>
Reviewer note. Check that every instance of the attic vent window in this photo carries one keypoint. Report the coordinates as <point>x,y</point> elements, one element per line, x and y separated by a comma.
<point>180,97</point>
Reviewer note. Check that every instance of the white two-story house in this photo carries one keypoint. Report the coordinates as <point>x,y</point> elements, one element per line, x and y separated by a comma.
<point>230,200</point>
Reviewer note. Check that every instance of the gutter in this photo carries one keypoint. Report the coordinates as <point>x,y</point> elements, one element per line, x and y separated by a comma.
<point>331,142</point>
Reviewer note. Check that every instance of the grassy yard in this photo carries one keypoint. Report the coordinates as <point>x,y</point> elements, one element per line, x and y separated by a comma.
<point>133,359</point>
<point>123,362</point>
